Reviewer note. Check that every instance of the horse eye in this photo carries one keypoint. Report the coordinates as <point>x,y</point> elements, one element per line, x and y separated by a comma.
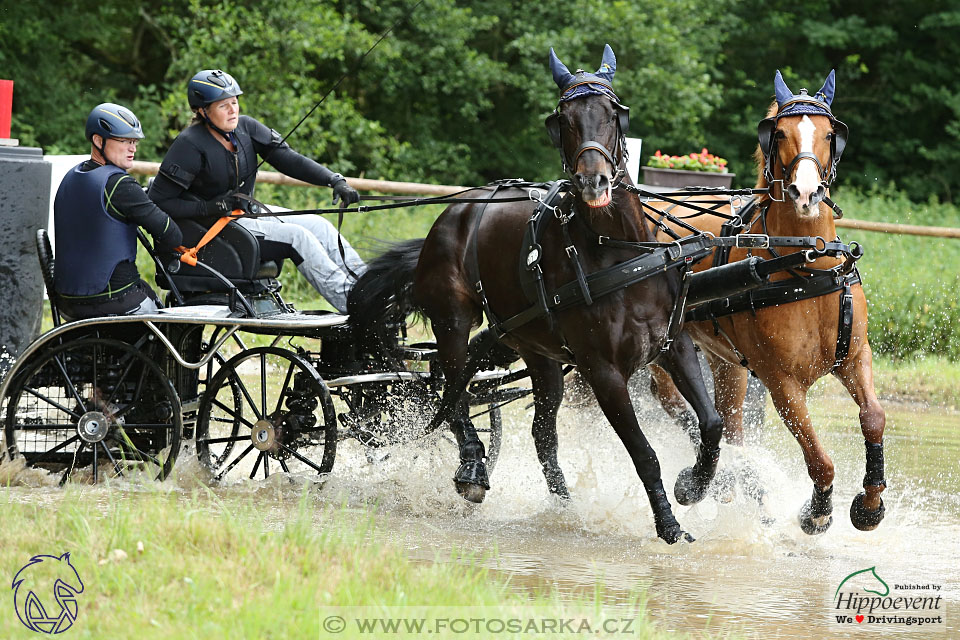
<point>779,135</point>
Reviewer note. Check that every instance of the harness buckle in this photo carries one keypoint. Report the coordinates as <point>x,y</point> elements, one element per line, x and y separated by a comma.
<point>571,252</point>
<point>752,241</point>
<point>479,287</point>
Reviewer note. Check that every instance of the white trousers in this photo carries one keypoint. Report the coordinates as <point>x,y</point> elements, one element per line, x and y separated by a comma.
<point>315,239</point>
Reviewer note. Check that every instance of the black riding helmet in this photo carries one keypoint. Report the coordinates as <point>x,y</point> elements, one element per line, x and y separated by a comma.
<point>209,86</point>
<point>110,120</point>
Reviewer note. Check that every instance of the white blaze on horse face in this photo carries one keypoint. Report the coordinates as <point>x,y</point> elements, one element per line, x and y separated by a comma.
<point>807,178</point>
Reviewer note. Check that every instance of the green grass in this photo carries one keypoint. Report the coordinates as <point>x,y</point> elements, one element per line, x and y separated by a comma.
<point>934,380</point>
<point>911,282</point>
<point>210,568</point>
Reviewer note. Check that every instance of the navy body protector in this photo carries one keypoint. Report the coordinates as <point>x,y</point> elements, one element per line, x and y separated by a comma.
<point>90,242</point>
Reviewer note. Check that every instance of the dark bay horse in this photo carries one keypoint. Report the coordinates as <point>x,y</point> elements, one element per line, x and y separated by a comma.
<point>471,260</point>
<point>790,346</point>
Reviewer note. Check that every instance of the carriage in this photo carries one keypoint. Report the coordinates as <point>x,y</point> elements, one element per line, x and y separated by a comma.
<point>255,386</point>
<point>604,275</point>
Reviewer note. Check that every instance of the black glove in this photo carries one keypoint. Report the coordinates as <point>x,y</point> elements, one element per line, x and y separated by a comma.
<point>222,206</point>
<point>346,193</point>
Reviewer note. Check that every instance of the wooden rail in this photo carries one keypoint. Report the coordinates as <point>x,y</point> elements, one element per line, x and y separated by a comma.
<point>904,229</point>
<point>417,189</point>
<point>360,184</point>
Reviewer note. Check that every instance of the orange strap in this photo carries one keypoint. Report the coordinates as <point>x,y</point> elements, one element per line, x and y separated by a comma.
<point>189,256</point>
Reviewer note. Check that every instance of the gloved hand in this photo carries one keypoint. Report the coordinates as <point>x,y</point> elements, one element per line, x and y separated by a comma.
<point>222,206</point>
<point>346,193</point>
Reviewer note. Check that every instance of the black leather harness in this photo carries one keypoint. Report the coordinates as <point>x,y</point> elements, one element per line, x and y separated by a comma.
<point>806,283</point>
<point>586,288</point>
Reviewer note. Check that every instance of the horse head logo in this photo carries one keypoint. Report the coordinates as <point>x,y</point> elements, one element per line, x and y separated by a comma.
<point>47,576</point>
<point>876,582</point>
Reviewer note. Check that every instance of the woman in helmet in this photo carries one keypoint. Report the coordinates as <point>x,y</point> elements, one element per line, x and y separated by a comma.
<point>216,157</point>
<point>97,210</point>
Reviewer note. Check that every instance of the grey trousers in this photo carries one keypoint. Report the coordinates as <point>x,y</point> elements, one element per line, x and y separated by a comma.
<point>315,239</point>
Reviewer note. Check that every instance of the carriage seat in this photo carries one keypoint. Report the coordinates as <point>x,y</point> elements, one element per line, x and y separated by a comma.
<point>234,252</point>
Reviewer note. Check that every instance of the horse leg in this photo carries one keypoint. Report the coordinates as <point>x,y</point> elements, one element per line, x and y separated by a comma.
<point>730,389</point>
<point>663,389</point>
<point>790,399</point>
<point>470,480</point>
<point>547,379</point>
<point>682,364</point>
<point>610,388</point>
<point>856,374</point>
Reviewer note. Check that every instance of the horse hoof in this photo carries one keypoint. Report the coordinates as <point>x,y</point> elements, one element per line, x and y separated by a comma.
<point>687,490</point>
<point>863,519</point>
<point>560,492</point>
<point>673,533</point>
<point>811,525</point>
<point>471,492</point>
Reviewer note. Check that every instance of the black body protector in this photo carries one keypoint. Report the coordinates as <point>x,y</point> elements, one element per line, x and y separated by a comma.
<point>200,165</point>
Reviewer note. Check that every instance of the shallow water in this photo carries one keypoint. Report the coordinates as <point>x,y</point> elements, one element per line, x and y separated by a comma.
<point>753,579</point>
<point>764,581</point>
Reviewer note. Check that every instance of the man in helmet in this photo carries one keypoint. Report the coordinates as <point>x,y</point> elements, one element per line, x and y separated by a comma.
<point>215,158</point>
<point>97,210</point>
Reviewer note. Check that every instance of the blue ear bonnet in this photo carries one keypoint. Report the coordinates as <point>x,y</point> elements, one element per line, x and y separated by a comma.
<point>818,104</point>
<point>585,84</point>
<point>582,83</point>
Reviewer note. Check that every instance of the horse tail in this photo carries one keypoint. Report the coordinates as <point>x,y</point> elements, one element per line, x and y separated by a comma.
<point>383,295</point>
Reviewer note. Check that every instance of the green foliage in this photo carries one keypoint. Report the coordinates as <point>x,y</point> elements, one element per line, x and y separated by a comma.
<point>911,282</point>
<point>455,94</point>
<point>894,63</point>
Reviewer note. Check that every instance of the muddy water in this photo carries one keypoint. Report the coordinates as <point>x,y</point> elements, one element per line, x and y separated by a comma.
<point>751,571</point>
<point>759,580</point>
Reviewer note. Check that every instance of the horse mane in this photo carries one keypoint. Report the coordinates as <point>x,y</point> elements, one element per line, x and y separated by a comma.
<point>758,154</point>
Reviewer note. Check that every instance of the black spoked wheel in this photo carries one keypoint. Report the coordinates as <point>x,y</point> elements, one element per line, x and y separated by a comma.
<point>282,420</point>
<point>94,403</point>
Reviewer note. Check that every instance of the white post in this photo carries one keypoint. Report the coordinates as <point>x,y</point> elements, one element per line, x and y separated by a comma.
<point>633,163</point>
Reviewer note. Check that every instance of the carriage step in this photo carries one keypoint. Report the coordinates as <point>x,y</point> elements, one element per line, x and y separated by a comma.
<point>406,376</point>
<point>386,376</point>
<point>416,354</point>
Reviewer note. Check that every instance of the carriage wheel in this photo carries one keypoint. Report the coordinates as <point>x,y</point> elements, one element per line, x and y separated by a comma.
<point>97,403</point>
<point>284,419</point>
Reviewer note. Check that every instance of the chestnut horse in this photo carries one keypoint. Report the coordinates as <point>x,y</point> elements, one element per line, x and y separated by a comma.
<point>791,345</point>
<point>470,262</point>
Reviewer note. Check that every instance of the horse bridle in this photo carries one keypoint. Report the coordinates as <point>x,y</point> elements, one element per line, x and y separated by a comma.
<point>766,132</point>
<point>618,158</point>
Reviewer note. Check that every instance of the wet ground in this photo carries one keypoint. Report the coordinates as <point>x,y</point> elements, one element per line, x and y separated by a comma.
<point>763,580</point>
<point>751,571</point>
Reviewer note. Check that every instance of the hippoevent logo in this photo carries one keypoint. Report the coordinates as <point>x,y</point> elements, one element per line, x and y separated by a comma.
<point>864,598</point>
<point>45,594</point>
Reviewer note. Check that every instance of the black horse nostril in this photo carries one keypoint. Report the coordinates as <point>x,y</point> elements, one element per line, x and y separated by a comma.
<point>581,180</point>
<point>793,192</point>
